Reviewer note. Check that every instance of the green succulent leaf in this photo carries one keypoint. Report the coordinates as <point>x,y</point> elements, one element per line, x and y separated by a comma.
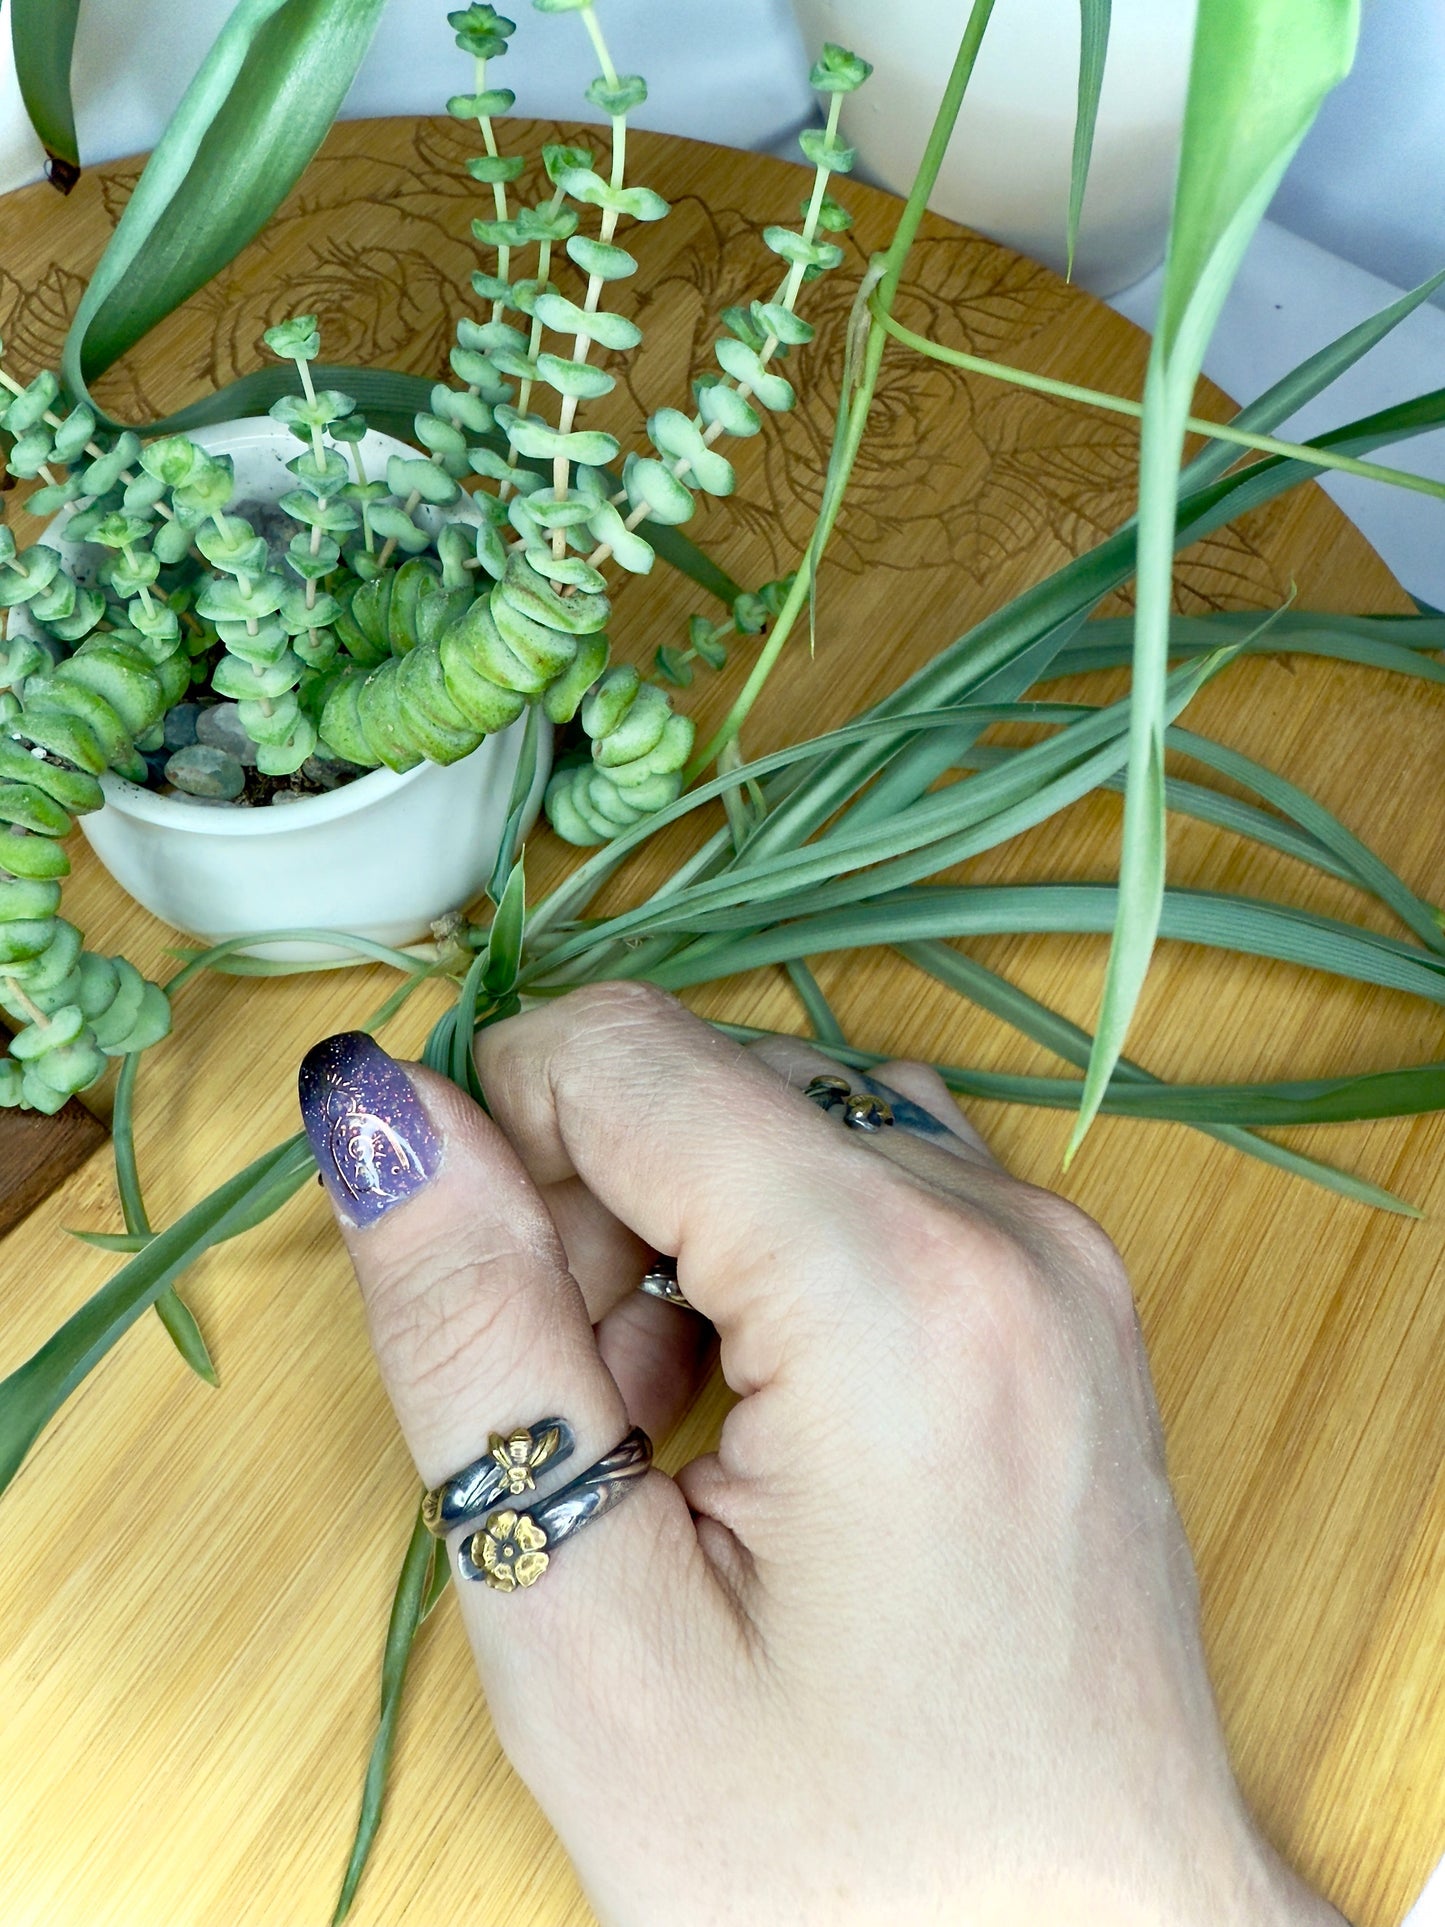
<point>481,31</point>
<point>619,97</point>
<point>652,486</point>
<point>719,401</point>
<point>836,71</point>
<point>578,379</point>
<point>613,331</point>
<point>745,366</point>
<point>601,259</point>
<point>492,100</point>
<point>833,156</point>
<point>295,340</point>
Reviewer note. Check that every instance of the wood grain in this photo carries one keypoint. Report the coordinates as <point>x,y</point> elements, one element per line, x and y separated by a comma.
<point>194,1584</point>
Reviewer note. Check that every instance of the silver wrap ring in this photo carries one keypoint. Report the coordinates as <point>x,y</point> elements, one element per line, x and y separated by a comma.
<point>862,1110</point>
<point>660,1281</point>
<point>508,1467</point>
<point>514,1548</point>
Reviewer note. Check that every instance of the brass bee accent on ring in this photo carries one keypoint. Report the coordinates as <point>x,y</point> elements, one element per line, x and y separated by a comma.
<point>513,1549</point>
<point>862,1111</point>
<point>508,1469</point>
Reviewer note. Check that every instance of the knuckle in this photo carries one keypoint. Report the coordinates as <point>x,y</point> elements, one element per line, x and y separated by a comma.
<point>975,1278</point>
<point>1086,1253</point>
<point>621,1000</point>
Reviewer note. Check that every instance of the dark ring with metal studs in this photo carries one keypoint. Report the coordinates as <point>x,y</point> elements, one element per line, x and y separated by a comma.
<point>862,1111</point>
<point>508,1468</point>
<point>660,1281</point>
<point>515,1548</point>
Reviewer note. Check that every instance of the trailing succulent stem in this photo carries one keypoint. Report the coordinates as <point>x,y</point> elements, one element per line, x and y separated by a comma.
<point>406,617</point>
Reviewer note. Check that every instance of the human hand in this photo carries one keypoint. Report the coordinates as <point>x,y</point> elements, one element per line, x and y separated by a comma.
<point>919,1642</point>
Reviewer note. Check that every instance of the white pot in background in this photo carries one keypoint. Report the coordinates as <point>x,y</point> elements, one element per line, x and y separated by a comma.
<point>1007,169</point>
<point>380,858</point>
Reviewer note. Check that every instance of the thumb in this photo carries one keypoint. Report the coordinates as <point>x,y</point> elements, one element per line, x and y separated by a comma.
<point>479,1330</point>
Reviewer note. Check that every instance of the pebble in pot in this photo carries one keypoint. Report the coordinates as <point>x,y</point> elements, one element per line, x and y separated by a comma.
<point>219,726</point>
<point>204,771</point>
<point>180,725</point>
<point>330,773</point>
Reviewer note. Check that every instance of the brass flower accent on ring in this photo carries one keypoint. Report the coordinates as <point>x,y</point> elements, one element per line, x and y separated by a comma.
<point>509,1549</point>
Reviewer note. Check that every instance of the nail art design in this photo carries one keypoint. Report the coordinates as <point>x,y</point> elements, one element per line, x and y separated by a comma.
<point>373,1141</point>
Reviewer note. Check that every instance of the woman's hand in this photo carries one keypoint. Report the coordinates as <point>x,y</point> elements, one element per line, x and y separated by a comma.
<point>919,1642</point>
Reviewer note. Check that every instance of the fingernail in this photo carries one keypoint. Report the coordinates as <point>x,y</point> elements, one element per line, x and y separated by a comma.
<point>374,1143</point>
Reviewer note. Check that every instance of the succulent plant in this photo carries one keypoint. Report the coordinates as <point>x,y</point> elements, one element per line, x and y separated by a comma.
<point>407,617</point>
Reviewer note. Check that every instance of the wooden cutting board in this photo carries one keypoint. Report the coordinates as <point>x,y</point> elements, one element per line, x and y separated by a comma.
<point>193,1585</point>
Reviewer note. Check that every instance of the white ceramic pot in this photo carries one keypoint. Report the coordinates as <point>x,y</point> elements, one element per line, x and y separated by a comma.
<point>380,858</point>
<point>1007,169</point>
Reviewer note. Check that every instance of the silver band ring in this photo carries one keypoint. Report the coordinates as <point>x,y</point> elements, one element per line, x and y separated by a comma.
<point>506,1469</point>
<point>515,1548</point>
<point>862,1110</point>
<point>660,1281</point>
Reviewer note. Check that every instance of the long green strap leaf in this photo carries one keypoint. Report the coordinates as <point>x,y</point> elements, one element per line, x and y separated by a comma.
<point>1093,48</point>
<point>1077,588</point>
<point>939,831</point>
<point>1409,1091</point>
<point>1305,829</point>
<point>258,109</point>
<point>171,1308</point>
<point>1197,1105</point>
<point>1212,918</point>
<point>42,35</point>
<point>1371,871</point>
<point>1394,643</point>
<point>35,1391</point>
<point>408,1609</point>
<point>1055,1032</point>
<point>1260,72</point>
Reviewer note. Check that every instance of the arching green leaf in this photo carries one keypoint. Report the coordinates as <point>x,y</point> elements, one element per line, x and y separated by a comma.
<point>42,34</point>
<point>1261,70</point>
<point>254,115</point>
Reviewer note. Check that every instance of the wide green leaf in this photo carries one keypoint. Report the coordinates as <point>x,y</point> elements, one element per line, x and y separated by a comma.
<point>42,35</point>
<point>1260,72</point>
<point>258,109</point>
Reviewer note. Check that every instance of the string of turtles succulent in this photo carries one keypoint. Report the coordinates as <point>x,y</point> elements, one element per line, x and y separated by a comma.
<point>360,638</point>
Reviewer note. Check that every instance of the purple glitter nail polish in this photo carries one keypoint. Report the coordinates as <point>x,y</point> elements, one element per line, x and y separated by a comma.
<point>373,1141</point>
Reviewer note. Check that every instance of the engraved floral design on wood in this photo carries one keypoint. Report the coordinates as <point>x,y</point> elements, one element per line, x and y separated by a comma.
<point>969,486</point>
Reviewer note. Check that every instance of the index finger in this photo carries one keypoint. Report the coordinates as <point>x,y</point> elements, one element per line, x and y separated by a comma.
<point>699,1148</point>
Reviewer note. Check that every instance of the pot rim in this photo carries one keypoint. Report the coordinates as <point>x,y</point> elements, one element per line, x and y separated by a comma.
<point>131,799</point>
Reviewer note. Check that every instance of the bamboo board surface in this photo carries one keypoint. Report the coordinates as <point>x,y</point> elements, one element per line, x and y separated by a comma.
<point>193,1585</point>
